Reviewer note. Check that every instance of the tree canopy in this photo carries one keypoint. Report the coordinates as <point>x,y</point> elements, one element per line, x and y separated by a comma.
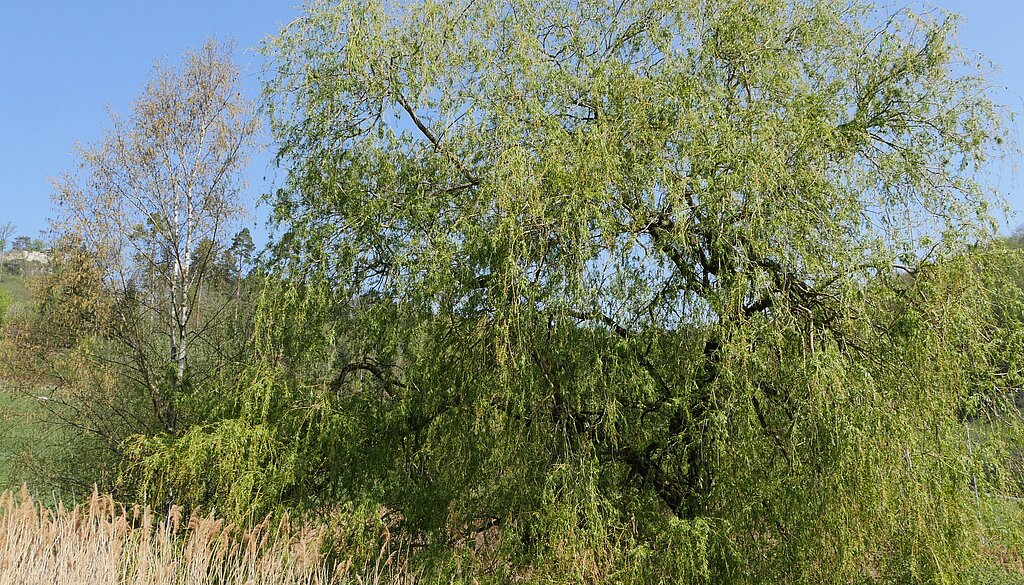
<point>632,291</point>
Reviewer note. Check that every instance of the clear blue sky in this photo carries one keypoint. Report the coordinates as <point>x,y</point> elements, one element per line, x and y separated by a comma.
<point>65,62</point>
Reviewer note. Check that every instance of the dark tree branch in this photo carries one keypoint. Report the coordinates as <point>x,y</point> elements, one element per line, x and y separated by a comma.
<point>435,141</point>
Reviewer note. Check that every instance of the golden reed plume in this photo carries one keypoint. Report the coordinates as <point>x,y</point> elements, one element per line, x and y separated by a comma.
<point>104,543</point>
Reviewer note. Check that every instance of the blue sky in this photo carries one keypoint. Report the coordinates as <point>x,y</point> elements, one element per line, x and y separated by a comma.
<point>65,62</point>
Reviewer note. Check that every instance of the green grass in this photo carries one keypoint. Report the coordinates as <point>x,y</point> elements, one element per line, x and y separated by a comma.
<point>17,431</point>
<point>13,283</point>
<point>30,444</point>
<point>20,429</point>
<point>16,289</point>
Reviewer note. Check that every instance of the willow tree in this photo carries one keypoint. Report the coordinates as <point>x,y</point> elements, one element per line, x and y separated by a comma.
<point>668,290</point>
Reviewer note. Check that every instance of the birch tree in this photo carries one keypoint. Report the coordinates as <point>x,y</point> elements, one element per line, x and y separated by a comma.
<point>163,179</point>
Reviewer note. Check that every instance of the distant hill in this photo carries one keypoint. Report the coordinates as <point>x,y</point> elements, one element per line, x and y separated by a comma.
<point>22,256</point>
<point>24,263</point>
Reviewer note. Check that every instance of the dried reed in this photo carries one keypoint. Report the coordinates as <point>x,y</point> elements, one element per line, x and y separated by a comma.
<point>104,543</point>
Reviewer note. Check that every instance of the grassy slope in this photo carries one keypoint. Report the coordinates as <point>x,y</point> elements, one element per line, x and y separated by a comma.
<point>17,411</point>
<point>14,286</point>
<point>16,433</point>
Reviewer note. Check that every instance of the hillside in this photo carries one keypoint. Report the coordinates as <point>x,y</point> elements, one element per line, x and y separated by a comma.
<point>14,287</point>
<point>16,410</point>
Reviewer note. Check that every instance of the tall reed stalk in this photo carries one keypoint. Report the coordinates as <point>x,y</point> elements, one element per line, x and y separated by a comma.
<point>104,543</point>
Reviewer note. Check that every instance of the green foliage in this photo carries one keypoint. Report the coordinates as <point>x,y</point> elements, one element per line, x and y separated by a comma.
<point>148,205</point>
<point>234,460</point>
<point>127,336</point>
<point>631,292</point>
<point>70,299</point>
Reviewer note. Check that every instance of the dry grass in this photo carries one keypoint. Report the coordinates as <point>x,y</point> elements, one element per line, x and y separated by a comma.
<point>105,543</point>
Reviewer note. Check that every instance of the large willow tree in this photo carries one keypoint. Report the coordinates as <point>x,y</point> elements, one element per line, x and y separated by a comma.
<point>670,290</point>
